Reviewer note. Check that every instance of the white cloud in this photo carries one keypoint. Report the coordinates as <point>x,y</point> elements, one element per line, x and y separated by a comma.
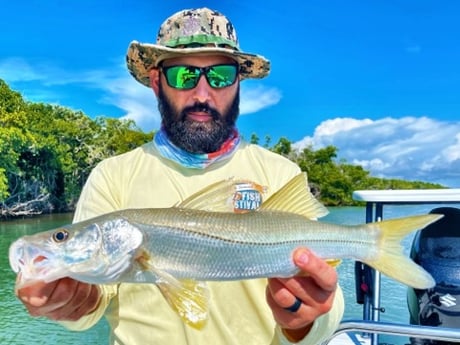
<point>257,98</point>
<point>412,148</point>
<point>330,127</point>
<point>17,69</point>
<point>452,152</point>
<point>137,101</point>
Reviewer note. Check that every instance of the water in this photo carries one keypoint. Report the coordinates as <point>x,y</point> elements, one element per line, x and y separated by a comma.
<point>18,328</point>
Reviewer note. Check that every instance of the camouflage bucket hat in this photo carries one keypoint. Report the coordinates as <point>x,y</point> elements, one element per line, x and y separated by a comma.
<point>194,31</point>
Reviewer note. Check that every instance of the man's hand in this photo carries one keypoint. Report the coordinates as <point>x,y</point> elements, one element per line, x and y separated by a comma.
<point>314,287</point>
<point>62,300</point>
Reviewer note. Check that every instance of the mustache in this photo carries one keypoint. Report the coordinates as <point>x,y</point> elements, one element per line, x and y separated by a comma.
<point>202,108</point>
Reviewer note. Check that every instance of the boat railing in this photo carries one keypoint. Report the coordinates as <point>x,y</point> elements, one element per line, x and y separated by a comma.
<point>375,201</point>
<point>396,329</point>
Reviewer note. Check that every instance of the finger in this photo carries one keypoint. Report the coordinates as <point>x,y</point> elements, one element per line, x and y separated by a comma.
<point>294,307</point>
<point>89,305</point>
<point>70,306</point>
<point>61,296</point>
<point>278,302</point>
<point>36,295</point>
<point>316,268</point>
<point>280,295</point>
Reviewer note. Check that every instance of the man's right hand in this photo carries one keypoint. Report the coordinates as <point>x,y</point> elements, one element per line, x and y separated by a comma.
<point>62,300</point>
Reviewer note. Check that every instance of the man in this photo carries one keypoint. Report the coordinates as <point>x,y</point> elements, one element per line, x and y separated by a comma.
<point>194,70</point>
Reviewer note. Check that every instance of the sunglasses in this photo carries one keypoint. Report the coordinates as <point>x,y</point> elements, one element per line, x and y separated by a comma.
<point>185,77</point>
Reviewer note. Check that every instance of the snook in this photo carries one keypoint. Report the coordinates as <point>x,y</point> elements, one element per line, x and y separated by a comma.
<point>201,240</point>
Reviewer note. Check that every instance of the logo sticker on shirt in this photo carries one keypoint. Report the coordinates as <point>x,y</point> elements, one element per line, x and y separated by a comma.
<point>248,197</point>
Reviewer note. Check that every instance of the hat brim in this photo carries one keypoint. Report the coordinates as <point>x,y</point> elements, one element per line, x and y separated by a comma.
<point>142,57</point>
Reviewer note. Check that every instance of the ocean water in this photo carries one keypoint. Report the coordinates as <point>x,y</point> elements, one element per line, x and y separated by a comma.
<point>18,328</point>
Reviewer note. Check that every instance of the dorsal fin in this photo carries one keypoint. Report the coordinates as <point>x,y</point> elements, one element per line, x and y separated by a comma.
<point>295,197</point>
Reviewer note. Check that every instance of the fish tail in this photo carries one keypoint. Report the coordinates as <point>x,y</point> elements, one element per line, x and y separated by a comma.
<point>391,260</point>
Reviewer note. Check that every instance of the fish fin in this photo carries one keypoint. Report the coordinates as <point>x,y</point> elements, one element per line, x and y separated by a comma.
<point>391,261</point>
<point>334,262</point>
<point>295,197</point>
<point>219,196</point>
<point>188,298</point>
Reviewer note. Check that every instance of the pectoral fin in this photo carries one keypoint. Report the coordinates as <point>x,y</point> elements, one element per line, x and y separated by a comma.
<point>189,298</point>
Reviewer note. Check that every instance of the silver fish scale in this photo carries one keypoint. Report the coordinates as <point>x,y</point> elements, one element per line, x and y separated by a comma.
<point>194,244</point>
<point>191,255</point>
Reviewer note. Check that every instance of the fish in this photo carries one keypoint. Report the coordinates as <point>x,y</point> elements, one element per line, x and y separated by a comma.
<point>202,239</point>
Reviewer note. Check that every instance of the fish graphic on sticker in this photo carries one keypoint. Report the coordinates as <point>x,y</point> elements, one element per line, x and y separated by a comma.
<point>248,196</point>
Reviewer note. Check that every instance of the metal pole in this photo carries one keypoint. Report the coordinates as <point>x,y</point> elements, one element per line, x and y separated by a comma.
<point>376,283</point>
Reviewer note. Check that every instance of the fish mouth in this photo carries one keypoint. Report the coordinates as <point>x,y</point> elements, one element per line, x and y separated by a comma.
<point>32,264</point>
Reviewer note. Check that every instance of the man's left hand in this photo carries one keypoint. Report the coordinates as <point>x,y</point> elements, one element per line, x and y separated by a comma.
<point>311,292</point>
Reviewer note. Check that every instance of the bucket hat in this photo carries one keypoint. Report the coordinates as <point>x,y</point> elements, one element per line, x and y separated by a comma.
<point>193,31</point>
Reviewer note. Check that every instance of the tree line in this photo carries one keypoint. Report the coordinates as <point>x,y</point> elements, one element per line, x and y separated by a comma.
<point>47,152</point>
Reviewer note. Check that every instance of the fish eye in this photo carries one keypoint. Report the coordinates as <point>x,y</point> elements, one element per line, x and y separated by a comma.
<point>60,235</point>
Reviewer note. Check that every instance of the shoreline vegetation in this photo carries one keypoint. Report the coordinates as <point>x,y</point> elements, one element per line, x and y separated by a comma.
<point>47,152</point>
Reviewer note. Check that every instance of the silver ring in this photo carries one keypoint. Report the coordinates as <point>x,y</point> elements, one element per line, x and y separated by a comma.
<point>295,307</point>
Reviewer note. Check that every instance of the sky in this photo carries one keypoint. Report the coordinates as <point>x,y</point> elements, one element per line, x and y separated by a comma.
<point>380,80</point>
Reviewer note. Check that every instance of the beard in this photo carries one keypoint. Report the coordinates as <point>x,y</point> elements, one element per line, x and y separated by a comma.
<point>194,136</point>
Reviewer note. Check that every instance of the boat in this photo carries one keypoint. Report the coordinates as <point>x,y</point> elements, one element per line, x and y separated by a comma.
<point>437,249</point>
<point>434,313</point>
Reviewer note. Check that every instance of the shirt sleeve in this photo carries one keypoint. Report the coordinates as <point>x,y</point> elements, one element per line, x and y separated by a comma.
<point>323,327</point>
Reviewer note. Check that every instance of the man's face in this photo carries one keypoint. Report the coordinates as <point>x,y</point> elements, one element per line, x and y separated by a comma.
<point>200,119</point>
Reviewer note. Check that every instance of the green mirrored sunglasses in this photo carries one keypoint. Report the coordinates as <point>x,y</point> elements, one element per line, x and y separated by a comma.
<point>185,77</point>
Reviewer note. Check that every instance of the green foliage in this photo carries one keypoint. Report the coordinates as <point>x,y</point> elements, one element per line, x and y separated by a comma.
<point>120,136</point>
<point>256,140</point>
<point>50,150</point>
<point>283,147</point>
<point>3,184</point>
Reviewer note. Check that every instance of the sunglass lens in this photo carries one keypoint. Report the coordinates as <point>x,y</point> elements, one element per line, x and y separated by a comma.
<point>220,76</point>
<point>182,77</point>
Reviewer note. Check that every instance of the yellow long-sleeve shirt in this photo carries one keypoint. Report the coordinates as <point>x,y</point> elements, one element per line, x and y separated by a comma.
<point>138,313</point>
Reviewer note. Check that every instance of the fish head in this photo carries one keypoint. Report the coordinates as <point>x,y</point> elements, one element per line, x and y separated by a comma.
<point>51,255</point>
<point>93,252</point>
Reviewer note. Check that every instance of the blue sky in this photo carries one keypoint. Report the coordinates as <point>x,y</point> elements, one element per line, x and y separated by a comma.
<point>378,79</point>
